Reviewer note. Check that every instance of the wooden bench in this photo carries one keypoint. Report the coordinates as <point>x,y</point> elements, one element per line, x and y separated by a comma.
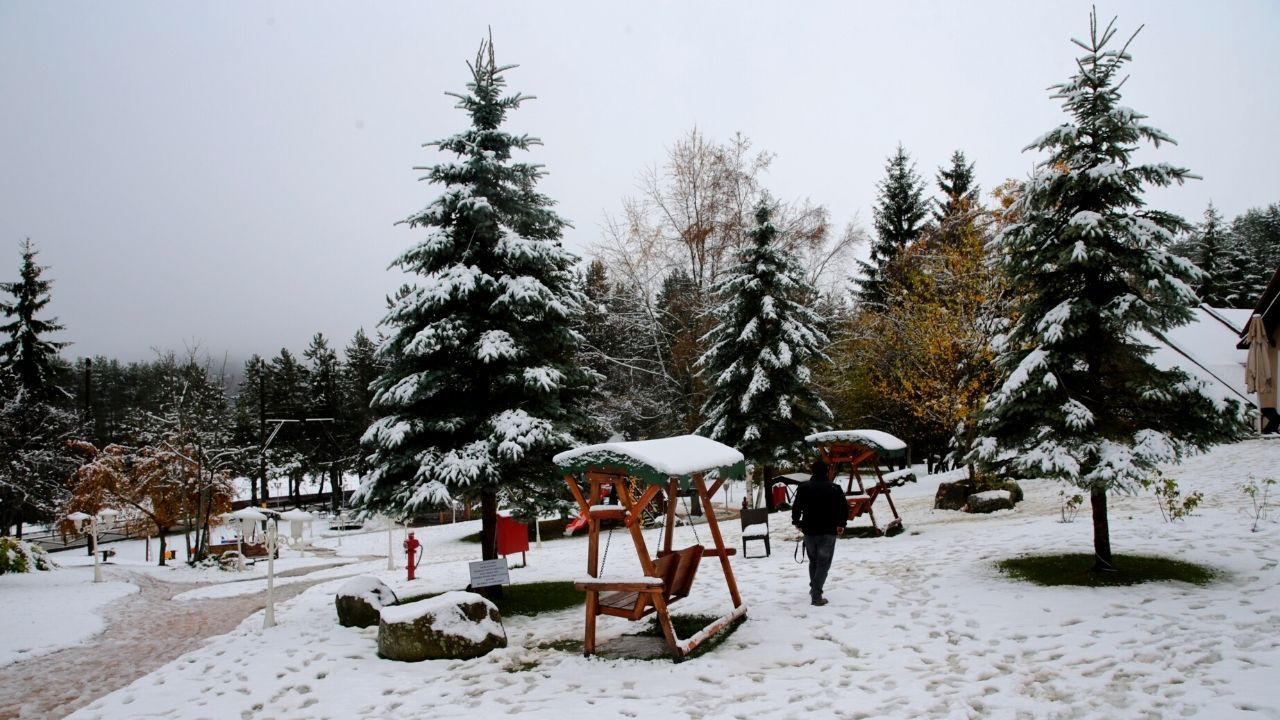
<point>634,600</point>
<point>671,580</point>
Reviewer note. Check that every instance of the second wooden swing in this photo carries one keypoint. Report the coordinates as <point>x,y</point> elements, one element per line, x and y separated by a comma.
<point>670,465</point>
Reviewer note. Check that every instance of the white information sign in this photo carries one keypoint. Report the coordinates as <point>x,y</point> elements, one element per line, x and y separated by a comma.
<point>485,573</point>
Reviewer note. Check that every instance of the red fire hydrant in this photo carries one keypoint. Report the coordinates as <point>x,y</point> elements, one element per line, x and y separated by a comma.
<point>411,548</point>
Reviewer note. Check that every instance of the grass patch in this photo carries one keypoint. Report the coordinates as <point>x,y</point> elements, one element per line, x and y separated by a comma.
<point>527,598</point>
<point>687,626</point>
<point>566,645</point>
<point>1077,569</point>
<point>551,530</point>
<point>539,597</point>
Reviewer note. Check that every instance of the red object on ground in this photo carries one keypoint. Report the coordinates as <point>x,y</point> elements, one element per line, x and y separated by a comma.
<point>779,494</point>
<point>411,546</point>
<point>576,524</point>
<point>513,536</point>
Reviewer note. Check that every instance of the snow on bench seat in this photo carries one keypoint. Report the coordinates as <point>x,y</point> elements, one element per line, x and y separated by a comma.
<point>756,530</point>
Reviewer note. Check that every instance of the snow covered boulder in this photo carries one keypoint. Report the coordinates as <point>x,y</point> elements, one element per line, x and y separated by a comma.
<point>952,495</point>
<point>455,625</point>
<point>960,495</point>
<point>361,599</point>
<point>990,501</point>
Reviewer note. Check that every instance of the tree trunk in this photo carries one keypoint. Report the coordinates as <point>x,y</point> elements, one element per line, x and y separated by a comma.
<point>160,533</point>
<point>1101,532</point>
<point>768,491</point>
<point>768,471</point>
<point>488,525</point>
<point>489,538</point>
<point>335,489</point>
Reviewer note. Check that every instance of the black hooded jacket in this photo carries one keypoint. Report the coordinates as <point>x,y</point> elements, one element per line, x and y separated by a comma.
<point>820,507</point>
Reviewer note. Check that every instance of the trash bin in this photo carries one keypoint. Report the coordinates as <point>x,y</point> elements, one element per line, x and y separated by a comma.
<point>779,494</point>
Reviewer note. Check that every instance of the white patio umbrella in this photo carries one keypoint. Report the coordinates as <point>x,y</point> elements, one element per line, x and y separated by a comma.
<point>1259,376</point>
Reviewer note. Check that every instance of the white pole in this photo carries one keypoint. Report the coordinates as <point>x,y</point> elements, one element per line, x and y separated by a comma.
<point>269,620</point>
<point>537,530</point>
<point>391,555</point>
<point>93,542</point>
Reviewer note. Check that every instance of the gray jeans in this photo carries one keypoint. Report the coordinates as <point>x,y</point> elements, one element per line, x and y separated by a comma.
<point>821,549</point>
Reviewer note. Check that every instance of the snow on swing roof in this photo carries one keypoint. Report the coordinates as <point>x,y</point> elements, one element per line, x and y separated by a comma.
<point>656,461</point>
<point>878,440</point>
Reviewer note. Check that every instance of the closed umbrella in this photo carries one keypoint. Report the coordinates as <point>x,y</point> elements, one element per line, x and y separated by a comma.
<point>1258,374</point>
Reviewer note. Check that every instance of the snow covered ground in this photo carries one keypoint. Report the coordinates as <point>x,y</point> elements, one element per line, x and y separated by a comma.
<point>30,600</point>
<point>919,625</point>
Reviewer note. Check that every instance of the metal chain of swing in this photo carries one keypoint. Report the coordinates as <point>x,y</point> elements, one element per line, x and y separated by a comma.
<point>608,539</point>
<point>689,516</point>
<point>605,557</point>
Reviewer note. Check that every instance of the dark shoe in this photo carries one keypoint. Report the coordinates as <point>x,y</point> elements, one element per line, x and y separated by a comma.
<point>820,601</point>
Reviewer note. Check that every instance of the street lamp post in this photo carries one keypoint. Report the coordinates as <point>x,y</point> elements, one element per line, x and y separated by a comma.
<point>86,523</point>
<point>297,518</point>
<point>243,521</point>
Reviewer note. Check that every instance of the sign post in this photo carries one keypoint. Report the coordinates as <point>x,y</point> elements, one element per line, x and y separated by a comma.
<point>486,573</point>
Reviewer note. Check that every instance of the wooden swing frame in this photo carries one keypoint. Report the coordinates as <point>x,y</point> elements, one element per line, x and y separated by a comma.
<point>669,575</point>
<point>855,455</point>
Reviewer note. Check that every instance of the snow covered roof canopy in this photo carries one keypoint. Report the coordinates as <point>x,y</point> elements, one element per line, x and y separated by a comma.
<point>882,442</point>
<point>655,462</point>
<point>1268,308</point>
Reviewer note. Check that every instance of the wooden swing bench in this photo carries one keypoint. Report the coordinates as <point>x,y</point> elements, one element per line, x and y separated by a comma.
<point>857,449</point>
<point>637,598</point>
<point>655,465</point>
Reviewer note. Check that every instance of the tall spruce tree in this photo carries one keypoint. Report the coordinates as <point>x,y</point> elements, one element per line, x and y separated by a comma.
<point>27,352</point>
<point>481,387</point>
<point>762,400</point>
<point>960,192</point>
<point>359,371</point>
<point>1081,401</point>
<point>899,219</point>
<point>34,429</point>
<point>1216,257</point>
<point>1256,240</point>
<point>324,452</point>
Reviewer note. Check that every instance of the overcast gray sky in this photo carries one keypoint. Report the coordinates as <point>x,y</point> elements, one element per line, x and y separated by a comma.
<point>230,173</point>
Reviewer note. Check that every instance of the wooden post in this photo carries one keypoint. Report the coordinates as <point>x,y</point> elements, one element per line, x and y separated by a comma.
<point>664,621</point>
<point>589,636</point>
<point>718,538</point>
<point>593,529</point>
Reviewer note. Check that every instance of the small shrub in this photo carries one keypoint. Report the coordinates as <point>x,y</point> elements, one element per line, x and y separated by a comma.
<point>19,556</point>
<point>1173,506</point>
<point>1259,494</point>
<point>1069,505</point>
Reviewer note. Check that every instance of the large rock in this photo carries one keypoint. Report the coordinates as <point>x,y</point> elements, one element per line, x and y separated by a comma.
<point>360,600</point>
<point>959,496</point>
<point>1015,491</point>
<point>457,625</point>
<point>952,495</point>
<point>990,501</point>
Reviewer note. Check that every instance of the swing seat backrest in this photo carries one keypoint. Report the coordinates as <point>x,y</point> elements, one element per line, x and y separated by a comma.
<point>680,580</point>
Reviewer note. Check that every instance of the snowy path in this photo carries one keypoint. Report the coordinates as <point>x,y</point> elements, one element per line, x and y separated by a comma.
<point>144,631</point>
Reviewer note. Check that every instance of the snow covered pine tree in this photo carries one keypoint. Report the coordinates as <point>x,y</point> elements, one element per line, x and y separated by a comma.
<point>761,399</point>
<point>480,386</point>
<point>1081,402</point>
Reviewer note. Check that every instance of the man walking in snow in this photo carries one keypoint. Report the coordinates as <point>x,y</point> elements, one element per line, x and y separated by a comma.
<point>820,512</point>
